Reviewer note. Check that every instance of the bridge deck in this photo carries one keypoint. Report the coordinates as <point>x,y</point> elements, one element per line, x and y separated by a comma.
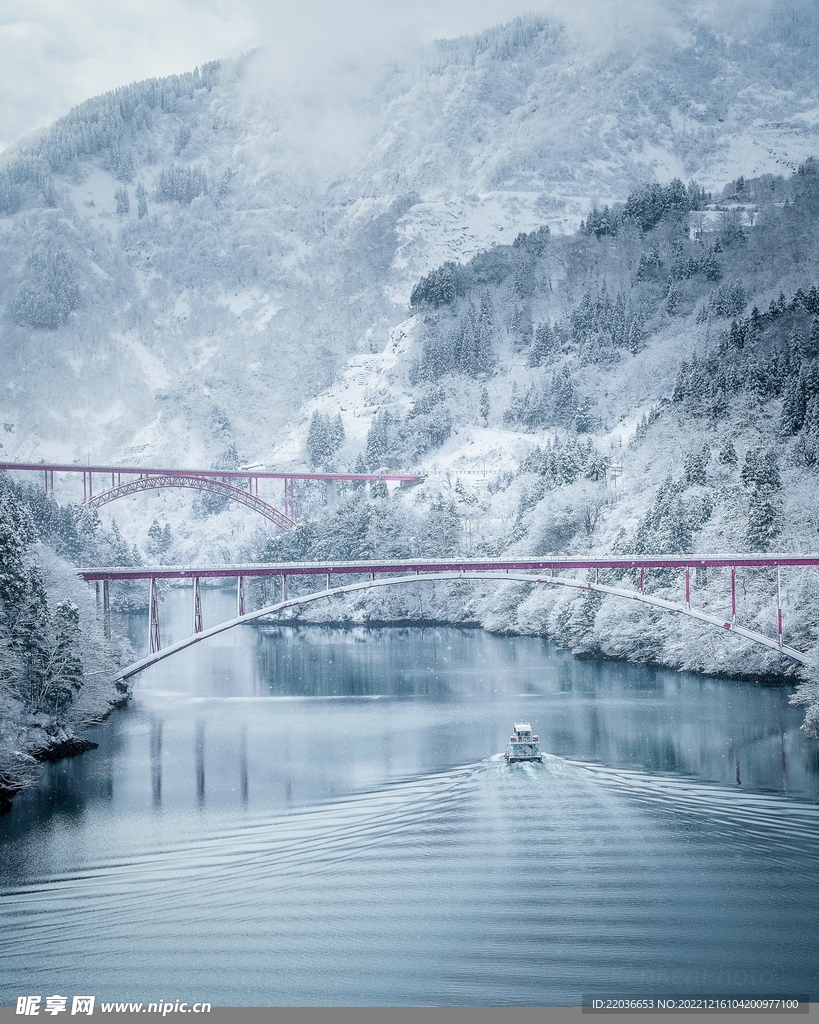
<point>427,565</point>
<point>257,474</point>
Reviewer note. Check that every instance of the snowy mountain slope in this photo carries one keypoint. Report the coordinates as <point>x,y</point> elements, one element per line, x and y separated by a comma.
<point>220,314</point>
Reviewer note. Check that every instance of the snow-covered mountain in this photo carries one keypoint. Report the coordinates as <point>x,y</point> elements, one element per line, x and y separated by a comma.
<point>202,268</point>
<point>282,237</point>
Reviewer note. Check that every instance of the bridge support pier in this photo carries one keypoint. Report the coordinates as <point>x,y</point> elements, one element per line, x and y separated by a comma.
<point>197,606</point>
<point>284,587</point>
<point>779,605</point>
<point>240,595</point>
<point>106,609</point>
<point>290,498</point>
<point>154,644</point>
<point>733,594</point>
<point>687,587</point>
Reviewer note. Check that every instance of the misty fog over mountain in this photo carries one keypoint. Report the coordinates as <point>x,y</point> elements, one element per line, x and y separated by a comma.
<point>564,268</point>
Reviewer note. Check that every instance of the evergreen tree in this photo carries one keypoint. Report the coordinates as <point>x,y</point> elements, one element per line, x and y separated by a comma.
<point>484,405</point>
<point>727,455</point>
<point>761,470</point>
<point>345,534</point>
<point>666,528</point>
<point>564,397</point>
<point>484,357</point>
<point>672,298</point>
<point>696,463</point>
<point>806,452</point>
<point>50,292</point>
<point>182,138</point>
<point>794,407</point>
<point>17,531</point>
<point>442,533</point>
<point>544,345</point>
<point>41,663</point>
<point>796,349</point>
<point>324,438</point>
<point>764,519</point>
<point>583,417</point>
<point>123,202</point>
<point>65,671</point>
<point>335,434</point>
<point>760,474</point>
<point>521,325</point>
<point>155,533</point>
<point>181,184</point>
<point>378,488</point>
<point>142,201</point>
<point>383,443</point>
<point>159,538</point>
<point>439,288</point>
<point>359,467</point>
<point>466,349</point>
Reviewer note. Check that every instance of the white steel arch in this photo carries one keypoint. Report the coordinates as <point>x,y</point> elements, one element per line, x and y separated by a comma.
<point>508,577</point>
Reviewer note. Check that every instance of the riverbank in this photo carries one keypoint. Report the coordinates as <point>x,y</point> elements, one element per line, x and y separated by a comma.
<point>28,741</point>
<point>589,626</point>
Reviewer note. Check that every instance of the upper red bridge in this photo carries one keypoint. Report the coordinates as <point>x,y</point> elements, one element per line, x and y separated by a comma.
<point>239,485</point>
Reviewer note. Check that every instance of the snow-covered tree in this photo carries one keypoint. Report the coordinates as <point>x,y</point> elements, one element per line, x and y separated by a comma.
<point>50,292</point>
<point>483,407</point>
<point>324,438</point>
<point>142,201</point>
<point>696,463</point>
<point>123,201</point>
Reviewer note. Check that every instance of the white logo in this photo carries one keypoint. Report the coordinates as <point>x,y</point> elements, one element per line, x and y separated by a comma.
<point>55,1005</point>
<point>82,1004</point>
<point>29,1005</point>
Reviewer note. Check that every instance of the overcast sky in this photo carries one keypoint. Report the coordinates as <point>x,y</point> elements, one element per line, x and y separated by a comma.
<point>56,53</point>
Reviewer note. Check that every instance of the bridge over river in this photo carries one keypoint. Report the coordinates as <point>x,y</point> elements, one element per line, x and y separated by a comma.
<point>238,485</point>
<point>340,578</point>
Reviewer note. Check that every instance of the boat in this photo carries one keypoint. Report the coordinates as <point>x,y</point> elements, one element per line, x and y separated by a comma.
<point>523,746</point>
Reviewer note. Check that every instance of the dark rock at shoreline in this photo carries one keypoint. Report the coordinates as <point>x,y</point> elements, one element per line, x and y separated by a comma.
<point>6,796</point>
<point>70,747</point>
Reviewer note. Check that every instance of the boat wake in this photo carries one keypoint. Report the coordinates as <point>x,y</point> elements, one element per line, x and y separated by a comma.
<point>613,879</point>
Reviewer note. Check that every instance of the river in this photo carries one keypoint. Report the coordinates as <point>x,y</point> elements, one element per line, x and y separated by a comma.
<point>299,815</point>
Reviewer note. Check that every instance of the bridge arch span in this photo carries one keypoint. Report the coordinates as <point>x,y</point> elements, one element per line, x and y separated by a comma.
<point>199,483</point>
<point>501,577</point>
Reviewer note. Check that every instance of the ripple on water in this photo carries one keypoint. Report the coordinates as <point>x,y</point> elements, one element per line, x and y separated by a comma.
<point>490,883</point>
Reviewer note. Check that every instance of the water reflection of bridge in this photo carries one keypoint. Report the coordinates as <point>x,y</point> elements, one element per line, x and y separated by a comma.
<point>605,575</point>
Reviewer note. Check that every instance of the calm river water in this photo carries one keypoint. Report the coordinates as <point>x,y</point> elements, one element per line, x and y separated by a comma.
<point>317,816</point>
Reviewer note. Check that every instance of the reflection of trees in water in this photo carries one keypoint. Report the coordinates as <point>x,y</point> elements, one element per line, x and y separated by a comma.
<point>313,661</point>
<point>69,788</point>
<point>610,712</point>
<point>447,693</point>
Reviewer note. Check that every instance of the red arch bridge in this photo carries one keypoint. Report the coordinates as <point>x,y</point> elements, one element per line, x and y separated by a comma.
<point>549,571</point>
<point>239,485</point>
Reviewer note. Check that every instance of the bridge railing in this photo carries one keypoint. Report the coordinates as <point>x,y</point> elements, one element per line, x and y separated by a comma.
<point>549,570</point>
<point>142,478</point>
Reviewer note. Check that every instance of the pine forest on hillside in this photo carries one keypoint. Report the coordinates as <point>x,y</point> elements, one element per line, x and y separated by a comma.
<point>576,349</point>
